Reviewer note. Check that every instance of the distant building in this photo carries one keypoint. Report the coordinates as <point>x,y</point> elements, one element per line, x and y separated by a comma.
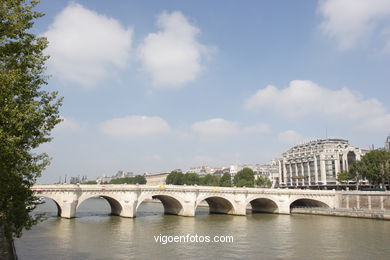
<point>219,171</point>
<point>316,163</point>
<point>75,180</point>
<point>234,169</point>
<point>122,174</point>
<point>200,170</point>
<point>155,179</point>
<point>103,179</point>
<point>387,143</point>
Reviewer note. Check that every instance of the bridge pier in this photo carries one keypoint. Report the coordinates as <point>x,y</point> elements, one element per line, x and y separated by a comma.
<point>188,210</point>
<point>68,209</point>
<point>128,210</point>
<point>284,204</point>
<point>129,205</point>
<point>240,208</point>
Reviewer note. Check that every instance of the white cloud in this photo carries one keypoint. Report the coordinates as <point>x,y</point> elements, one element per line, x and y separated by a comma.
<point>291,137</point>
<point>86,46</point>
<point>172,56</point>
<point>304,97</point>
<point>135,126</point>
<point>350,21</point>
<point>216,127</point>
<point>260,128</point>
<point>219,127</point>
<point>70,125</point>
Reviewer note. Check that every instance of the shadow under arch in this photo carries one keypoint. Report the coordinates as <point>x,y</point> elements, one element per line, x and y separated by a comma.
<point>172,206</point>
<point>59,209</point>
<point>308,203</point>
<point>116,207</point>
<point>219,205</point>
<point>263,205</point>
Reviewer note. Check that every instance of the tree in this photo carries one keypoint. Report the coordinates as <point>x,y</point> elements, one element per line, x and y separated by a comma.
<point>355,172</point>
<point>263,182</point>
<point>27,113</point>
<point>89,182</point>
<point>343,177</point>
<point>140,179</point>
<point>375,167</point>
<point>209,180</point>
<point>226,180</point>
<point>176,178</point>
<point>245,177</point>
<point>191,178</point>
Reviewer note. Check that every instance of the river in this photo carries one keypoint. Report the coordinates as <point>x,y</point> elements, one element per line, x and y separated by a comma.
<point>94,234</point>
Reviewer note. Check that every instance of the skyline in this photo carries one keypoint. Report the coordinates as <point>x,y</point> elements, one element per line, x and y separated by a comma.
<point>184,84</point>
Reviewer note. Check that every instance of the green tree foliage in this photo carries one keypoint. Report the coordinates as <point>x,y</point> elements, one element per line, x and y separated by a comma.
<point>375,167</point>
<point>209,180</point>
<point>356,172</point>
<point>343,177</point>
<point>89,182</point>
<point>245,177</point>
<point>176,178</point>
<point>27,113</point>
<point>226,180</point>
<point>140,179</point>
<point>263,182</point>
<point>191,178</point>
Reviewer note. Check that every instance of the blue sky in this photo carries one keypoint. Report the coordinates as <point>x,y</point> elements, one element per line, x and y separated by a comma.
<point>156,85</point>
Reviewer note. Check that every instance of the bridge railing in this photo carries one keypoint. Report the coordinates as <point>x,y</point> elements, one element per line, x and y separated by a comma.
<point>134,187</point>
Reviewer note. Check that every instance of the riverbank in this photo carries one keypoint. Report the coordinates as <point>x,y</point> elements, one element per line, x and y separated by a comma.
<point>7,248</point>
<point>384,215</point>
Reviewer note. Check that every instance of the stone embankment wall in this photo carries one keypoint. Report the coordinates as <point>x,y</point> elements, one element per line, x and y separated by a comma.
<point>358,204</point>
<point>357,200</point>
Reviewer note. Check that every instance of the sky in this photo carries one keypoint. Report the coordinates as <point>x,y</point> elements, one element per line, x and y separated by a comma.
<point>153,86</point>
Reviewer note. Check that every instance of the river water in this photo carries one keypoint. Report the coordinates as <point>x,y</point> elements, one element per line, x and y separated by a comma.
<point>94,234</point>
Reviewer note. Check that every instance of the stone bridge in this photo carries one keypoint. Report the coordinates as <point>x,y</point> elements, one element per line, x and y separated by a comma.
<point>183,200</point>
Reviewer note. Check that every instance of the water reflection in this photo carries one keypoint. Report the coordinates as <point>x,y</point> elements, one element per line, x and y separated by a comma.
<point>94,234</point>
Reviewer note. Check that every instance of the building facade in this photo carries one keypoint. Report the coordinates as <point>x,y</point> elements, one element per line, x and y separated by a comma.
<point>316,163</point>
<point>155,179</point>
<point>387,143</point>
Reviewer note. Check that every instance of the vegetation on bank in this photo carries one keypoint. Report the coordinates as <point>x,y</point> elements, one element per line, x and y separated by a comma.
<point>27,113</point>
<point>374,166</point>
<point>244,178</point>
<point>140,179</point>
<point>89,182</point>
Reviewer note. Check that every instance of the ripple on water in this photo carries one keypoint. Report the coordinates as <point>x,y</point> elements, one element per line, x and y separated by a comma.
<point>94,234</point>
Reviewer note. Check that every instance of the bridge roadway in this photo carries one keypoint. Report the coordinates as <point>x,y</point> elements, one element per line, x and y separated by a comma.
<point>183,200</point>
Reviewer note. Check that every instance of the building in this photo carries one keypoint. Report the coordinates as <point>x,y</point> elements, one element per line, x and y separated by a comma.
<point>155,179</point>
<point>200,170</point>
<point>316,163</point>
<point>387,143</point>
<point>122,174</point>
<point>104,178</point>
<point>233,169</point>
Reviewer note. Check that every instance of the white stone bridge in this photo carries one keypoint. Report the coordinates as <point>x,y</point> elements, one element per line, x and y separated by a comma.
<point>183,200</point>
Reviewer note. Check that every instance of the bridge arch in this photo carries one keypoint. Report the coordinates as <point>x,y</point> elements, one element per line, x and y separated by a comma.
<point>173,205</point>
<point>55,200</point>
<point>115,205</point>
<point>262,204</point>
<point>218,204</point>
<point>308,203</point>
